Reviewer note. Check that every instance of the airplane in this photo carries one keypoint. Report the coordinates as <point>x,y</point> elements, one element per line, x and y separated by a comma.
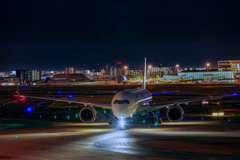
<point>166,81</point>
<point>134,102</point>
<point>126,81</point>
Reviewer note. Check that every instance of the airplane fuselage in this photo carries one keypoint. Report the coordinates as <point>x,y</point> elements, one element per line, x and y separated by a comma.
<point>125,103</point>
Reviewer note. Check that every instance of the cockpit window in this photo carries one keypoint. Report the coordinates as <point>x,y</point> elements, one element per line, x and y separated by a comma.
<point>121,102</point>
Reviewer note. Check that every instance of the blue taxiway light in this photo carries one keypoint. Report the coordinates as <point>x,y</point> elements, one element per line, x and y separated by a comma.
<point>70,96</point>
<point>229,120</point>
<point>59,92</point>
<point>164,93</point>
<point>29,109</point>
<point>98,92</point>
<point>69,109</point>
<point>202,119</point>
<point>225,93</point>
<point>68,117</point>
<point>144,121</point>
<point>234,94</point>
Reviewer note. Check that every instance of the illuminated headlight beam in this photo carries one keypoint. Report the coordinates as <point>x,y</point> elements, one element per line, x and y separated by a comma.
<point>122,123</point>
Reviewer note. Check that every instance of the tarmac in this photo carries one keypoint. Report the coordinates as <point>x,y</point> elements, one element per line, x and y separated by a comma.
<point>52,130</point>
<point>189,139</point>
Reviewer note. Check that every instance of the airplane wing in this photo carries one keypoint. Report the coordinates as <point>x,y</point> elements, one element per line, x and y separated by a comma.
<point>96,104</point>
<point>155,106</point>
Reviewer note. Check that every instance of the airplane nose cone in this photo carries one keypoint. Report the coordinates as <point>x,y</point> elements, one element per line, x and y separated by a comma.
<point>118,111</point>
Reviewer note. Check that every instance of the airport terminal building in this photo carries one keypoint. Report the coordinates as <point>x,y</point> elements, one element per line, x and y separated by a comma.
<point>228,70</point>
<point>68,79</point>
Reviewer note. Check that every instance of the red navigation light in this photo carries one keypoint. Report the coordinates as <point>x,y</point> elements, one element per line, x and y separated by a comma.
<point>66,75</point>
<point>119,63</point>
<point>83,64</point>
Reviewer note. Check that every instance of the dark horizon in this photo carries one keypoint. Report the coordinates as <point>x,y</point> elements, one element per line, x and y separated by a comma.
<point>52,35</point>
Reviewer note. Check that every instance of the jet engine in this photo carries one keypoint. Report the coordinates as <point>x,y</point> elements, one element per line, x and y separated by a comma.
<point>87,114</point>
<point>175,113</point>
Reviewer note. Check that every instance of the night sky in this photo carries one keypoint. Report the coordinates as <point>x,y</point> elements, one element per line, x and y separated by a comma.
<point>52,35</point>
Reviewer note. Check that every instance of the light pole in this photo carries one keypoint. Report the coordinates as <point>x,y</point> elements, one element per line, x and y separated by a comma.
<point>208,64</point>
<point>125,68</point>
<point>149,68</point>
<point>177,68</point>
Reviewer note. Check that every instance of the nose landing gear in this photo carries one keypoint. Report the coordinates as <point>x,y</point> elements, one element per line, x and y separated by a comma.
<point>157,120</point>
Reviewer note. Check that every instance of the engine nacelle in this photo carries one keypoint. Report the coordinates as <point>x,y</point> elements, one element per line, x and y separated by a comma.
<point>175,113</point>
<point>87,114</point>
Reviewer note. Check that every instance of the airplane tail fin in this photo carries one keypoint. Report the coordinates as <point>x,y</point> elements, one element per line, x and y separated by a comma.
<point>144,74</point>
<point>160,79</point>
